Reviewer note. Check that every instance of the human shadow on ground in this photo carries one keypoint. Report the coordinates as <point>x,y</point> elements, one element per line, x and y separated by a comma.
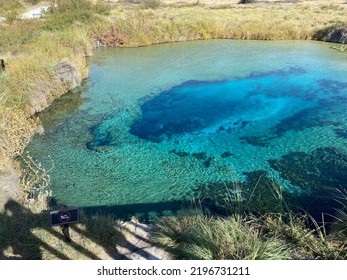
<point>28,235</point>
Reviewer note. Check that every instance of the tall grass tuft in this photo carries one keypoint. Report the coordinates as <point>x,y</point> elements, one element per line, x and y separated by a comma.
<point>198,237</point>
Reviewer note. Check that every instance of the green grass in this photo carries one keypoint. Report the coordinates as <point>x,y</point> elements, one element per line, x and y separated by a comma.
<point>151,4</point>
<point>10,9</point>
<point>250,231</point>
<point>68,13</point>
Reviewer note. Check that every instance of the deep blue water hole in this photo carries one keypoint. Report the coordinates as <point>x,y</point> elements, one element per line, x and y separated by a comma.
<point>197,105</point>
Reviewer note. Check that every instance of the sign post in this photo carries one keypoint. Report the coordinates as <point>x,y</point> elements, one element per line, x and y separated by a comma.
<point>64,218</point>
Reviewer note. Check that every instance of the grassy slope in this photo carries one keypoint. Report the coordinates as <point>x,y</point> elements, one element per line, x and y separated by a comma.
<point>32,49</point>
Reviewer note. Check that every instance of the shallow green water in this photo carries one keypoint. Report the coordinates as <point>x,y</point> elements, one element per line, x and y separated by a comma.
<point>159,125</point>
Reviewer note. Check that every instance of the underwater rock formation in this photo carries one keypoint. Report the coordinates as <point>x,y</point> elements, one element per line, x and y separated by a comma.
<point>323,168</point>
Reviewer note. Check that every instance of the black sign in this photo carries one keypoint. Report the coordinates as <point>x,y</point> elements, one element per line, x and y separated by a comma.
<point>64,217</point>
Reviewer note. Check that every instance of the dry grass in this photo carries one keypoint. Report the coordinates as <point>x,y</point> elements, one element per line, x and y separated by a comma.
<point>204,20</point>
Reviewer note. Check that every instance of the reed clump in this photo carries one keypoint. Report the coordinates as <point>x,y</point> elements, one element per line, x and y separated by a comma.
<point>244,236</point>
<point>195,236</point>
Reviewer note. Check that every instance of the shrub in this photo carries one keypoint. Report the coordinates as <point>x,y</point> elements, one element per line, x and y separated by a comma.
<point>32,2</point>
<point>64,13</point>
<point>246,1</point>
<point>151,4</point>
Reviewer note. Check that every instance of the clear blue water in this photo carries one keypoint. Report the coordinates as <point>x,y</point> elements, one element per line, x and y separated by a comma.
<point>158,127</point>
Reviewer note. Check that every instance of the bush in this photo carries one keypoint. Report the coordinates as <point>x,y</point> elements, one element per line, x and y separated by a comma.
<point>64,13</point>
<point>246,1</point>
<point>33,2</point>
<point>151,4</point>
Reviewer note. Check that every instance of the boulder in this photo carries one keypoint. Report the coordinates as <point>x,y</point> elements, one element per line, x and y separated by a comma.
<point>334,35</point>
<point>45,93</point>
<point>68,74</point>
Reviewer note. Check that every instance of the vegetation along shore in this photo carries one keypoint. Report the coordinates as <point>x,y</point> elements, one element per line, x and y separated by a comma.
<point>46,56</point>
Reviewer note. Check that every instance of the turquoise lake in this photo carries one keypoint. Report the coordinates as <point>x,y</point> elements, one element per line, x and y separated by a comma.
<point>155,129</point>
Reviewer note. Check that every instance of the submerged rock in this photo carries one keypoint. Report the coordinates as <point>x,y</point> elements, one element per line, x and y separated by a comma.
<point>226,154</point>
<point>324,168</point>
<point>342,133</point>
<point>207,162</point>
<point>260,141</point>
<point>45,93</point>
<point>179,153</point>
<point>200,156</point>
